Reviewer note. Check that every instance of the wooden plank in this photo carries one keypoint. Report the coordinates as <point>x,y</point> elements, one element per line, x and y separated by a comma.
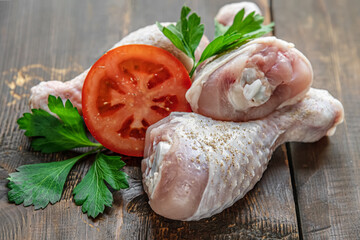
<point>327,173</point>
<point>42,40</point>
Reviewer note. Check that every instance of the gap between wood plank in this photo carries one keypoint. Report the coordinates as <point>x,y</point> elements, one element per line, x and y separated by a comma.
<point>293,184</point>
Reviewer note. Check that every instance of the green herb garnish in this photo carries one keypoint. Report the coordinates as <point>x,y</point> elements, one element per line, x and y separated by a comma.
<point>52,134</point>
<point>92,192</point>
<point>43,183</point>
<point>39,184</point>
<point>187,33</point>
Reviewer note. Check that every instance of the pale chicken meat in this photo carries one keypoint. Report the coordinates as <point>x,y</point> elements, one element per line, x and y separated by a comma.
<point>71,89</point>
<point>251,82</point>
<point>194,166</point>
<point>226,14</point>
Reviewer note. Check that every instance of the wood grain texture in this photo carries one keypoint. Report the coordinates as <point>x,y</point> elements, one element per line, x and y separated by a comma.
<point>327,173</point>
<point>43,40</point>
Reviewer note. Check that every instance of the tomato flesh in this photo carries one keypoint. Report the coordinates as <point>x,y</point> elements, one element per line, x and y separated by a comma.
<point>128,89</point>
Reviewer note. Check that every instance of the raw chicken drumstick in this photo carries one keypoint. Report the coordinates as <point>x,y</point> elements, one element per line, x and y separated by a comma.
<point>251,82</point>
<point>195,167</point>
<point>226,14</point>
<point>149,35</point>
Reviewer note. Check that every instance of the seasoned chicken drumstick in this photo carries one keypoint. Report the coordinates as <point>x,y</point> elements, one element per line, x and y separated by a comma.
<point>194,167</point>
<point>251,82</point>
<point>149,35</point>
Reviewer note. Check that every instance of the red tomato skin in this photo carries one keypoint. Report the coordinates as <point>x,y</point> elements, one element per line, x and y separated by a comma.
<point>152,57</point>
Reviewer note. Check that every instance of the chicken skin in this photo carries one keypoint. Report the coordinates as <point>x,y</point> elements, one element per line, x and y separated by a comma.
<point>226,13</point>
<point>195,167</point>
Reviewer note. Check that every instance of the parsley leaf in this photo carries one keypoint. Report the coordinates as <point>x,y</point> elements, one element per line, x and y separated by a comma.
<point>226,37</point>
<point>39,184</point>
<point>186,34</point>
<point>53,134</point>
<point>242,30</point>
<point>43,183</point>
<point>92,193</point>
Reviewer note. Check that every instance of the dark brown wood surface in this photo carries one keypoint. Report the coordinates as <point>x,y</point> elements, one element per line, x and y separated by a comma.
<point>327,173</point>
<point>47,39</point>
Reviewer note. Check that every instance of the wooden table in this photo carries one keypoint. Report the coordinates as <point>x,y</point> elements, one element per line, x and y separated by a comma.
<point>309,191</point>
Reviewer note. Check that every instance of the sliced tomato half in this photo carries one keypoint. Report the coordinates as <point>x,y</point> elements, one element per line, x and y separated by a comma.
<point>128,89</point>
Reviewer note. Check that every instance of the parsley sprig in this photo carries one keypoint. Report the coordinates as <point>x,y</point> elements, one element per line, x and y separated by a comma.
<point>188,31</point>
<point>105,168</point>
<point>43,183</point>
<point>186,34</point>
<point>39,184</point>
<point>53,134</point>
